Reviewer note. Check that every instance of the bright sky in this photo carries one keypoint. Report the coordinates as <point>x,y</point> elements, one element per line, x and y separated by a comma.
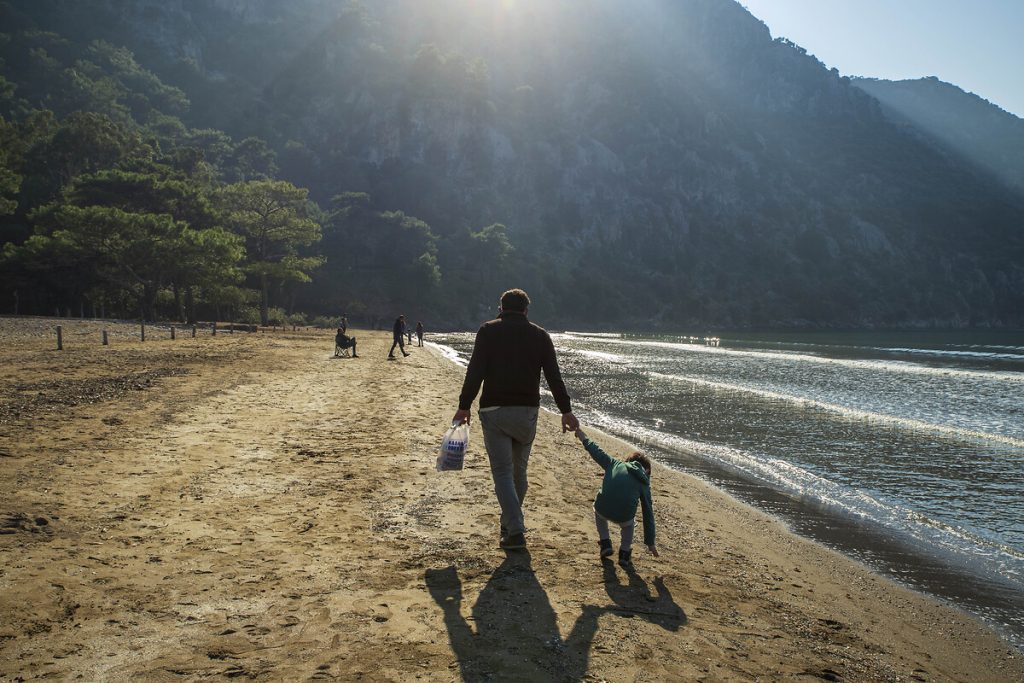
<point>975,44</point>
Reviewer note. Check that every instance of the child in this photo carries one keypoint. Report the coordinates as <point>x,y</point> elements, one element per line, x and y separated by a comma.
<point>625,484</point>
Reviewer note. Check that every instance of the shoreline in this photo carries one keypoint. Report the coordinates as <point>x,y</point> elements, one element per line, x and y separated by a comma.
<point>267,511</point>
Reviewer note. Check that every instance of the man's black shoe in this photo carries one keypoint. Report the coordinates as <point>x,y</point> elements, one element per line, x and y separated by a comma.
<point>605,545</point>
<point>513,542</point>
<point>625,559</point>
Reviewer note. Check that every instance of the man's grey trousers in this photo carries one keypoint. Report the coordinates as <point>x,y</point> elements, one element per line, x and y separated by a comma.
<point>508,437</point>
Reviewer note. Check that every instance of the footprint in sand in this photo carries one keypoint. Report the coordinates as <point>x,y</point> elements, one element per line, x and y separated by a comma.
<point>379,612</point>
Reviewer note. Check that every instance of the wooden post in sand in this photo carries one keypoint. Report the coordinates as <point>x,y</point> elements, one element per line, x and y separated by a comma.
<point>142,331</point>
<point>106,342</point>
<point>60,338</point>
<point>193,331</point>
<point>213,330</point>
<point>172,333</point>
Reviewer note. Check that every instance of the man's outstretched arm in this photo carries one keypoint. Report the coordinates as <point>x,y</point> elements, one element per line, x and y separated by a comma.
<point>553,376</point>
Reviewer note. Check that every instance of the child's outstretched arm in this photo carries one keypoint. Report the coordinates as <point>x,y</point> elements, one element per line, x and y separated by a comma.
<point>599,456</point>
<point>647,506</point>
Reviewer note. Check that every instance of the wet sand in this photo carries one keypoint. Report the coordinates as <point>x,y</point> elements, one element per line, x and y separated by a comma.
<point>249,506</point>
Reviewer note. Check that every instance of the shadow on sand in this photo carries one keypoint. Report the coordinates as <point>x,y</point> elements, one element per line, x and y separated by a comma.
<point>516,635</point>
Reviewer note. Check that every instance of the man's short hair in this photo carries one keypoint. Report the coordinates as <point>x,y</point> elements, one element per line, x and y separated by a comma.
<point>515,300</point>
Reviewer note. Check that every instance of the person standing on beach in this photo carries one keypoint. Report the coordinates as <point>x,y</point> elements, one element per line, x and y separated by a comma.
<point>419,332</point>
<point>508,356</point>
<point>397,333</point>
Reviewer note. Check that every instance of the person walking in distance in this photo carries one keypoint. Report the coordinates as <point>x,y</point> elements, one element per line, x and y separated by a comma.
<point>397,334</point>
<point>509,355</point>
<point>419,332</point>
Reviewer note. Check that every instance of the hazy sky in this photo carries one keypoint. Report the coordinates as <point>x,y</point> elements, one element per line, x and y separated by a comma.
<point>975,44</point>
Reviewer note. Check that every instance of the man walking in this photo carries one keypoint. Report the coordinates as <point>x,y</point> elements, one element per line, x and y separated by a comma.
<point>508,356</point>
<point>397,334</point>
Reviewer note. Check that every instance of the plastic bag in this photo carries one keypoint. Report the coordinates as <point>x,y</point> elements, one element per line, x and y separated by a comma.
<point>453,448</point>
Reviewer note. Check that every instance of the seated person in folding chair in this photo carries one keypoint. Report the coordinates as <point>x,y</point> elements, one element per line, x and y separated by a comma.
<point>342,343</point>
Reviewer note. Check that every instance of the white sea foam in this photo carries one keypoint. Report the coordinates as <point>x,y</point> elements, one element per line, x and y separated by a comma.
<point>986,355</point>
<point>852,413</point>
<point>449,353</point>
<point>599,335</point>
<point>600,355</point>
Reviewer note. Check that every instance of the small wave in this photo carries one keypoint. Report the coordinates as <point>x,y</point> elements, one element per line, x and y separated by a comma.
<point>885,365</point>
<point>598,335</point>
<point>449,353</point>
<point>854,413</point>
<point>1002,347</point>
<point>599,355</point>
<point>985,355</point>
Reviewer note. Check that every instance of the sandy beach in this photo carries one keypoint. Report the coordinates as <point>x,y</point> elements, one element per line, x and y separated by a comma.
<point>249,506</point>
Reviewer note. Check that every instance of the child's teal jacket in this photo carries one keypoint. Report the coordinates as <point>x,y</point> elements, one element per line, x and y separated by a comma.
<point>625,484</point>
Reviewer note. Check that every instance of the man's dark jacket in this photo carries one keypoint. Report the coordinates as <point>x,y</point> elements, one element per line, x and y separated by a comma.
<point>508,357</point>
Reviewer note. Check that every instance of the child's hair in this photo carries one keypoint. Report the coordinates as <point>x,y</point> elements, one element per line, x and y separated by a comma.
<point>637,456</point>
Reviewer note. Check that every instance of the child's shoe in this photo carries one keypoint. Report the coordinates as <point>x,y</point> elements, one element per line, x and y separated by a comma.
<point>626,559</point>
<point>606,547</point>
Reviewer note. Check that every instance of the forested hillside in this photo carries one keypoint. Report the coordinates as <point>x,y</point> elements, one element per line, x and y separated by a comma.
<point>646,164</point>
<point>974,128</point>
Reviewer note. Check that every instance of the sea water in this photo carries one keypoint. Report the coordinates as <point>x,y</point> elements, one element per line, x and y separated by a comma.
<point>904,450</point>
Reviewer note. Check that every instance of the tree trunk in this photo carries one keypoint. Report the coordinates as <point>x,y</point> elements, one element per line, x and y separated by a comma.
<point>177,302</point>
<point>264,296</point>
<point>190,306</point>
<point>148,303</point>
